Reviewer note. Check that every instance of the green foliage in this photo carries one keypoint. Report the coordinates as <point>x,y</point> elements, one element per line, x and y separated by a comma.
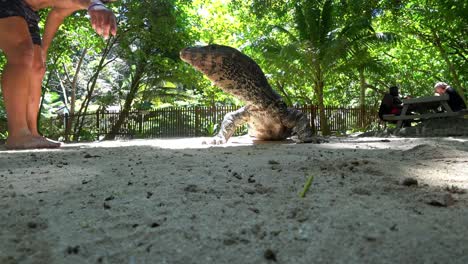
<point>211,129</point>
<point>53,127</point>
<point>151,37</point>
<point>2,104</point>
<point>2,60</point>
<point>3,135</point>
<point>88,135</point>
<point>435,33</point>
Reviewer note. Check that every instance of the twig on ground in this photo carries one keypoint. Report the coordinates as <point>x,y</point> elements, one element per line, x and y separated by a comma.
<point>306,186</point>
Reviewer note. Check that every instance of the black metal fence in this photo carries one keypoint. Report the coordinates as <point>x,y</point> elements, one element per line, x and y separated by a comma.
<point>204,121</point>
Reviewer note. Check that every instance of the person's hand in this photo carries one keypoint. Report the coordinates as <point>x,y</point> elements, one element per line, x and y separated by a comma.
<point>102,20</point>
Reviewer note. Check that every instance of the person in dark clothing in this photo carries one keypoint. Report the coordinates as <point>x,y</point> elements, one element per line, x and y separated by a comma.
<point>455,101</point>
<point>391,103</point>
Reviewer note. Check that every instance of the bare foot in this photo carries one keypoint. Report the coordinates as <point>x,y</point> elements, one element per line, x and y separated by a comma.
<point>49,143</point>
<point>30,142</point>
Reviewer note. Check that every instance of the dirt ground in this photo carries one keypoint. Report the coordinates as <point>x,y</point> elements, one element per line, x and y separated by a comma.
<point>372,200</point>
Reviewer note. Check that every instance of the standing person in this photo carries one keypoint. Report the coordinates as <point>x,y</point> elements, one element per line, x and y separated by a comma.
<point>26,55</point>
<point>455,101</point>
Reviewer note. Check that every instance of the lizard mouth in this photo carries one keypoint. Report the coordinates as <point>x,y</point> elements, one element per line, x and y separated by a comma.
<point>191,58</point>
<point>197,60</point>
<point>186,55</point>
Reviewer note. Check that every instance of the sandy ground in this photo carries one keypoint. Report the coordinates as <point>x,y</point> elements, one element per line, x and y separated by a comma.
<point>373,200</point>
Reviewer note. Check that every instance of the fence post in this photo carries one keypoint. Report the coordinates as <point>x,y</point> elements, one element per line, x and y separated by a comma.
<point>65,120</point>
<point>97,124</point>
<point>197,121</point>
<point>140,123</point>
<point>312,118</point>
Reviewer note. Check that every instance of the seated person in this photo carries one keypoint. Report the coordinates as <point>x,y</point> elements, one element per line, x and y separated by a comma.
<point>455,101</point>
<point>391,103</point>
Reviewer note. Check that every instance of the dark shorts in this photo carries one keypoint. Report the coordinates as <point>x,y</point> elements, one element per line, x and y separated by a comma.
<point>11,8</point>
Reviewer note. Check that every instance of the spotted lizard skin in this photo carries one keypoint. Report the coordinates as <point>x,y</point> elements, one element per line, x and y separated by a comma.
<point>265,112</point>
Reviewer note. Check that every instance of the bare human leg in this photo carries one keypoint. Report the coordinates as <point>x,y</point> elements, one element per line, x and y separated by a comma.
<point>34,98</point>
<point>34,93</point>
<point>18,47</point>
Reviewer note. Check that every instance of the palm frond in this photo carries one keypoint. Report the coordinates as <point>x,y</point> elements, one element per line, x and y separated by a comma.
<point>285,31</point>
<point>301,24</point>
<point>326,21</point>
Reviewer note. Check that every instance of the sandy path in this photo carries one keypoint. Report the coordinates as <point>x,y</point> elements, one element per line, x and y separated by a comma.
<point>175,201</point>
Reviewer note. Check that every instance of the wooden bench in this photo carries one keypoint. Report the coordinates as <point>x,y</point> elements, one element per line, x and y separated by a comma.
<point>423,105</point>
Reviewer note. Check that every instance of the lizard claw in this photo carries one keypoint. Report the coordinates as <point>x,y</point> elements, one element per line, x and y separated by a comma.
<point>314,140</point>
<point>217,140</point>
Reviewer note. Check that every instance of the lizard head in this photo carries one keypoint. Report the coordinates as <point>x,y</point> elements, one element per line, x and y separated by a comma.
<point>232,71</point>
<point>207,59</point>
<point>222,64</point>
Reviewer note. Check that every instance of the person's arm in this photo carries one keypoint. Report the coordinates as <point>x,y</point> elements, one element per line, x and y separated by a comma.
<point>53,22</point>
<point>102,19</point>
<point>397,103</point>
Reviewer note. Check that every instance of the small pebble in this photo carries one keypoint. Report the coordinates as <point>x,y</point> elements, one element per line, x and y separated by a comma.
<point>444,201</point>
<point>409,181</point>
<point>73,250</point>
<point>32,225</point>
<point>269,255</point>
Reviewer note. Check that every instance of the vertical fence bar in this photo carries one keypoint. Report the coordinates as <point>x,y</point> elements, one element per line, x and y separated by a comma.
<point>97,124</point>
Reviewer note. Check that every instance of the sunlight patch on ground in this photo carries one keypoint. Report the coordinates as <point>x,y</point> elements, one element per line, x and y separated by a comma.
<point>335,143</point>
<point>176,143</point>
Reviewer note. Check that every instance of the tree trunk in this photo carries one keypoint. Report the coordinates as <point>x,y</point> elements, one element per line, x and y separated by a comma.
<point>73,96</point>
<point>136,80</point>
<point>323,118</point>
<point>84,107</point>
<point>362,98</point>
<point>286,97</point>
<point>319,85</point>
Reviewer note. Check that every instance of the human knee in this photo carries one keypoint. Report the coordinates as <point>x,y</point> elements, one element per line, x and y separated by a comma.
<point>22,55</point>
<point>38,67</point>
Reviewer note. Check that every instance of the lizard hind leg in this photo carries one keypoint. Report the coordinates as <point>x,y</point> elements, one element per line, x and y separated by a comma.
<point>300,125</point>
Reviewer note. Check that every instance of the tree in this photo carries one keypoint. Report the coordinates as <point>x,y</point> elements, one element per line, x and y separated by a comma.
<point>315,44</point>
<point>437,28</point>
<point>361,41</point>
<point>153,34</point>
